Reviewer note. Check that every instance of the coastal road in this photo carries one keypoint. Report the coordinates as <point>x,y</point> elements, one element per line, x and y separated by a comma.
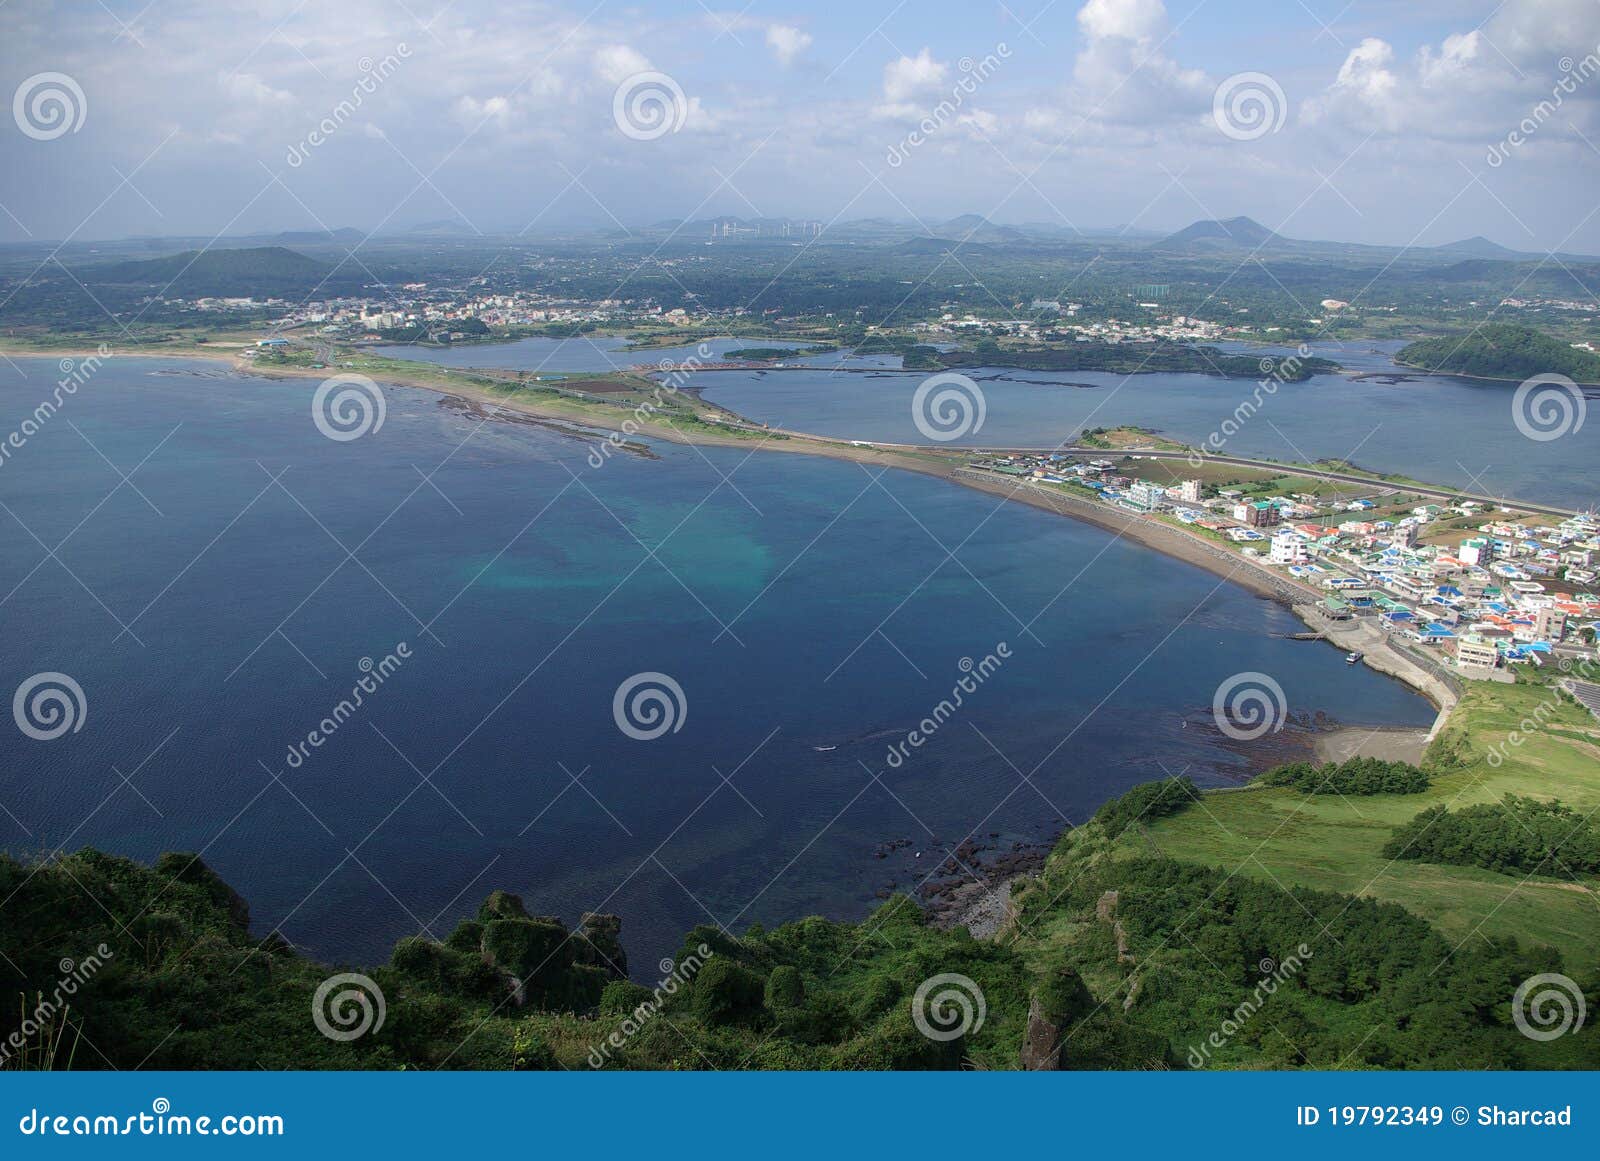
<point>1323,474</point>
<point>1427,490</point>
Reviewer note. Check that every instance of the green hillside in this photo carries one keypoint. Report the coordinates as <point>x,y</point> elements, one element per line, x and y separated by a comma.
<point>1502,351</point>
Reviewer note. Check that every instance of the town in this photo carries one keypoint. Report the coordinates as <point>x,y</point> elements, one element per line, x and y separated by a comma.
<point>1481,588</point>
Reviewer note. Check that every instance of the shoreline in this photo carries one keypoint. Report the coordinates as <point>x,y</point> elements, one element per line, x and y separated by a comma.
<point>1163,538</point>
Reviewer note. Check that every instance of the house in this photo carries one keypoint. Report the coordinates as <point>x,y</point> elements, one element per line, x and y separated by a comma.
<point>1257,514</point>
<point>1287,548</point>
<point>1474,656</point>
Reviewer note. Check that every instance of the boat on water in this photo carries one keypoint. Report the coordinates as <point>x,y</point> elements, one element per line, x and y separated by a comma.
<point>824,749</point>
<point>1353,658</point>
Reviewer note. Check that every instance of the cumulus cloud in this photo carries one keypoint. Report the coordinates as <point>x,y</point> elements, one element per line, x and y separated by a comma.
<point>1122,72</point>
<point>908,79</point>
<point>787,42</point>
<point>615,63</point>
<point>1468,87</point>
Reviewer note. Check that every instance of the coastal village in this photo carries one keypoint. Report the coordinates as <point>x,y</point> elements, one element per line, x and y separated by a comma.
<point>1481,589</point>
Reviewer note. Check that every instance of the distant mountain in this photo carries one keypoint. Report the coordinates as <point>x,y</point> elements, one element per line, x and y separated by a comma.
<point>1213,235</point>
<point>1478,247</point>
<point>347,235</point>
<point>977,228</point>
<point>442,226</point>
<point>255,272</point>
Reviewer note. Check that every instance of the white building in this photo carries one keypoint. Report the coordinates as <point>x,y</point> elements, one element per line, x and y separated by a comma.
<point>1289,548</point>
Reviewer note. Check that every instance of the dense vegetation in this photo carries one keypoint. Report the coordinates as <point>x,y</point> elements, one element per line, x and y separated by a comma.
<point>1128,358</point>
<point>1192,951</point>
<point>1356,777</point>
<point>771,354</point>
<point>1503,351</point>
<point>1515,835</point>
<point>1114,961</point>
<point>1146,801</point>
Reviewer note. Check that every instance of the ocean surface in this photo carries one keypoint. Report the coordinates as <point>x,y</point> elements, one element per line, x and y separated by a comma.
<point>211,570</point>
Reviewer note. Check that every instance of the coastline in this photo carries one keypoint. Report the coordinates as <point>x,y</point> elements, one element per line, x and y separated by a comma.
<point>579,411</point>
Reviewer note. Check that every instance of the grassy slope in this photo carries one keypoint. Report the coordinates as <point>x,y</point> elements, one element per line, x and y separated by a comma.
<point>1333,843</point>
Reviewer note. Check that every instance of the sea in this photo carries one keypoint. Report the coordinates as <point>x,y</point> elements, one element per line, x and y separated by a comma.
<point>679,686</point>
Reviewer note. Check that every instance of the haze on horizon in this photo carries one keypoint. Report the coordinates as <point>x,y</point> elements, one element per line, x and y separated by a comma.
<point>1368,122</point>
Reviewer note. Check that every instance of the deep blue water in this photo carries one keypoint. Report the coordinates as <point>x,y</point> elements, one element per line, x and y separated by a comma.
<point>847,620</point>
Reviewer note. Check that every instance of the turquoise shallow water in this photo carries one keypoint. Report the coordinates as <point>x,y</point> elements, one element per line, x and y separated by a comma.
<point>811,612</point>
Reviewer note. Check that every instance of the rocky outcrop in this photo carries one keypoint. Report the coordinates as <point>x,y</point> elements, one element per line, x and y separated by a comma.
<point>1041,1043</point>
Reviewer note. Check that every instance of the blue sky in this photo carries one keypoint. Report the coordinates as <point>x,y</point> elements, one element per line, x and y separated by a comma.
<point>1384,122</point>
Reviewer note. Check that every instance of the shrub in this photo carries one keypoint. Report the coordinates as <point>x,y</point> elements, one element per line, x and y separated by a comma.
<point>1359,777</point>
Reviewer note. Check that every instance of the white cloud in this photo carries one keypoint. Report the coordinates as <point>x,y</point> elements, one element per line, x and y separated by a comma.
<point>1122,74</point>
<point>1128,19</point>
<point>615,63</point>
<point>249,89</point>
<point>909,79</point>
<point>787,42</point>
<point>911,76</point>
<point>472,112</point>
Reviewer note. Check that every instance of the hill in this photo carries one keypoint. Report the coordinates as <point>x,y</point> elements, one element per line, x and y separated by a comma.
<point>255,272</point>
<point>1209,235</point>
<point>1502,351</point>
<point>1478,247</point>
